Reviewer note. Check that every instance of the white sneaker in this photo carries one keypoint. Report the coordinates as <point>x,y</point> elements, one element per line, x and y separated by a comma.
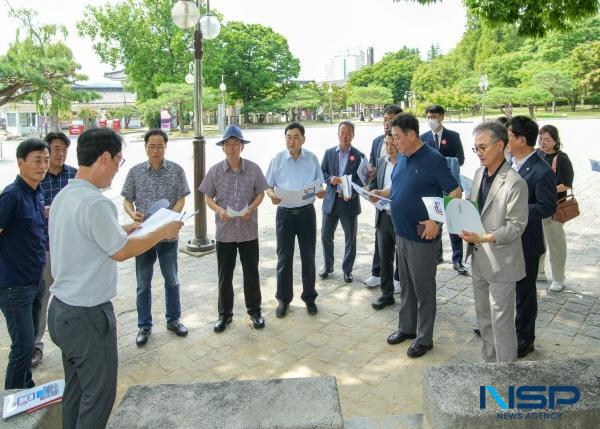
<point>556,286</point>
<point>396,286</point>
<point>373,281</point>
<point>541,277</point>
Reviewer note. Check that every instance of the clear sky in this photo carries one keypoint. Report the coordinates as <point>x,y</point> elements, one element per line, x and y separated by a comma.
<point>315,29</point>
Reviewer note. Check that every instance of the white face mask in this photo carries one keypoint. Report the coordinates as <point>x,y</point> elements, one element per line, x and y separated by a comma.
<point>433,124</point>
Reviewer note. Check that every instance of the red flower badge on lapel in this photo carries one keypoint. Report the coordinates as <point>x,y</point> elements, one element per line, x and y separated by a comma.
<point>444,141</point>
<point>352,158</point>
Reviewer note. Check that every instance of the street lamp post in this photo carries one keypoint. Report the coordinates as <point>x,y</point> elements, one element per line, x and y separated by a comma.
<point>186,14</point>
<point>409,96</point>
<point>483,85</point>
<point>45,99</point>
<point>330,92</point>
<point>223,88</point>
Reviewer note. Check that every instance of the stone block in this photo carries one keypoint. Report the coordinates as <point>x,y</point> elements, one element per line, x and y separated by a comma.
<point>280,403</point>
<point>451,394</point>
<point>48,417</point>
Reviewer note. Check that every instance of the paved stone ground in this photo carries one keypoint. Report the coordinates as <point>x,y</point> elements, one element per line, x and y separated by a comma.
<point>347,337</point>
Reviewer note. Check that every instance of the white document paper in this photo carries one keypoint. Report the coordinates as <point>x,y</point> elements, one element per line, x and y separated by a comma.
<point>467,185</point>
<point>299,197</point>
<point>158,219</point>
<point>363,171</point>
<point>382,205</point>
<point>366,194</point>
<point>347,186</point>
<point>236,213</point>
<point>459,215</point>
<point>32,398</point>
<point>435,208</point>
<point>462,215</point>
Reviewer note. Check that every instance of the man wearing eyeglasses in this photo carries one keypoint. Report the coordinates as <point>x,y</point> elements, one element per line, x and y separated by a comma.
<point>446,142</point>
<point>86,242</point>
<point>498,262</point>
<point>150,185</point>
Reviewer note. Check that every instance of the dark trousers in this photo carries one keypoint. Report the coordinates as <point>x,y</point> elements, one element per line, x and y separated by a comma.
<point>417,267</point>
<point>527,301</point>
<point>386,240</point>
<point>87,338</point>
<point>349,225</point>
<point>457,248</point>
<point>376,265</point>
<point>21,308</point>
<point>291,223</point>
<point>226,259</point>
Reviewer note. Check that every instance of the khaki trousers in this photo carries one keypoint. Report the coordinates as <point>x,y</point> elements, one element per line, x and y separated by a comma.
<point>556,245</point>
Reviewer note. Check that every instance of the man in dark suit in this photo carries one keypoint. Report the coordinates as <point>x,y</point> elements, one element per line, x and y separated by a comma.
<point>378,150</point>
<point>541,184</point>
<point>386,237</point>
<point>339,161</point>
<point>448,143</point>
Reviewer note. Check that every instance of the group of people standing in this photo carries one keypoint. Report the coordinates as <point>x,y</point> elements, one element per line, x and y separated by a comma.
<point>54,212</point>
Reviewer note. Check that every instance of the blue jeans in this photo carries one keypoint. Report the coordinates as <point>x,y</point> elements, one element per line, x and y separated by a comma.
<point>144,267</point>
<point>21,308</point>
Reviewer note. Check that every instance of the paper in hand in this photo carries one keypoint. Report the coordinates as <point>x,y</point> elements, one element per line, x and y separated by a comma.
<point>156,206</point>
<point>158,219</point>
<point>363,171</point>
<point>237,213</point>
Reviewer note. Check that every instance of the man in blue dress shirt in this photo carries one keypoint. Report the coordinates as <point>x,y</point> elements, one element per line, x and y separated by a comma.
<point>295,169</point>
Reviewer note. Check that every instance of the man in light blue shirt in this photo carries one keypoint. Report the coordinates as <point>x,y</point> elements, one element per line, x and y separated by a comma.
<point>295,169</point>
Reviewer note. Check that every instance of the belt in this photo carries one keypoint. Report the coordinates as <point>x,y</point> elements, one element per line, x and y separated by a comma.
<point>340,196</point>
<point>296,210</point>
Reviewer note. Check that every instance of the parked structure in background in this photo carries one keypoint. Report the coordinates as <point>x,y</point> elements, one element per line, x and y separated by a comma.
<point>25,118</point>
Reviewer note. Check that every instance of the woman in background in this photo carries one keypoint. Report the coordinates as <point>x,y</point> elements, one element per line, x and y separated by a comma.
<point>554,234</point>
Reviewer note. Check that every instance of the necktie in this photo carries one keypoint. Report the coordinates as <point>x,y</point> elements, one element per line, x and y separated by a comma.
<point>437,143</point>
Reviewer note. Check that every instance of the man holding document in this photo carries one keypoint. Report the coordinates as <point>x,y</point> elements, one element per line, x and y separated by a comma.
<point>340,168</point>
<point>233,189</point>
<point>420,171</point>
<point>498,262</point>
<point>294,177</point>
<point>86,241</point>
<point>149,186</point>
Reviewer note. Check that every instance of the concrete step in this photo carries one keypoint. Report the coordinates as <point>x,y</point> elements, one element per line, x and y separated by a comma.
<point>403,421</point>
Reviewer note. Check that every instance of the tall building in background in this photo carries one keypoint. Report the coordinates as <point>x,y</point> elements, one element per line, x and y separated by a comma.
<point>370,56</point>
<point>343,63</point>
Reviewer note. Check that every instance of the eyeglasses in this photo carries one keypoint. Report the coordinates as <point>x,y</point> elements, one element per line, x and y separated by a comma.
<point>121,158</point>
<point>480,149</point>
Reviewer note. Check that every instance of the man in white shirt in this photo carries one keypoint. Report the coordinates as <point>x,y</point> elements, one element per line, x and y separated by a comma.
<point>86,242</point>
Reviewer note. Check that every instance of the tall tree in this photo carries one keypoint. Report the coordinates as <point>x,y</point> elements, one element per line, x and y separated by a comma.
<point>254,60</point>
<point>38,61</point>
<point>532,17</point>
<point>140,35</point>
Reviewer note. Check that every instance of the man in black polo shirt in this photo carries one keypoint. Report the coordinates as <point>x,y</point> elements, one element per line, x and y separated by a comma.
<point>22,258</point>
<point>420,171</point>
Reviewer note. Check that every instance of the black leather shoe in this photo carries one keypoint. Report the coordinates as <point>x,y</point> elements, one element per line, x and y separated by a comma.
<point>179,328</point>
<point>461,269</point>
<point>325,273</point>
<point>221,324</point>
<point>382,302</point>
<point>281,310</point>
<point>397,337</point>
<point>417,350</point>
<point>142,336</point>
<point>477,332</point>
<point>348,277</point>
<point>524,349</point>
<point>311,308</point>
<point>257,321</point>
